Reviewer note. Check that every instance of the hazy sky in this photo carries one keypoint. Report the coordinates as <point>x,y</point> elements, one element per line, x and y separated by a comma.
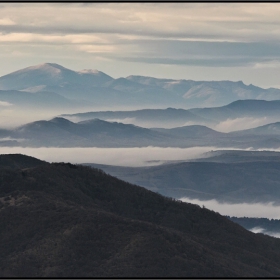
<point>199,41</point>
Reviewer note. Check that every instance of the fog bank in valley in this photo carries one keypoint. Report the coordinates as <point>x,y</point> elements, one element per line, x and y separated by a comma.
<point>264,231</point>
<point>112,156</point>
<point>236,124</point>
<point>250,210</point>
<point>144,156</point>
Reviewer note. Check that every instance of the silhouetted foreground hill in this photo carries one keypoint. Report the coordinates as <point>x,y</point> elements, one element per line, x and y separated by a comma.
<point>63,220</point>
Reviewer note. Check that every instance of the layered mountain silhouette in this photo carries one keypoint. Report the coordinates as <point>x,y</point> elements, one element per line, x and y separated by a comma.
<point>227,176</point>
<point>192,131</point>
<point>209,93</point>
<point>268,129</point>
<point>100,89</point>
<point>64,220</point>
<point>241,109</point>
<point>93,86</point>
<point>171,117</point>
<point>60,132</point>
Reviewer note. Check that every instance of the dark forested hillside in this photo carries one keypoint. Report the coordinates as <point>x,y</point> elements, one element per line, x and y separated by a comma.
<point>64,220</point>
<point>19,161</point>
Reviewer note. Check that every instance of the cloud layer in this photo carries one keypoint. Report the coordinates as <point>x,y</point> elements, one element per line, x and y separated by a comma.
<point>166,36</point>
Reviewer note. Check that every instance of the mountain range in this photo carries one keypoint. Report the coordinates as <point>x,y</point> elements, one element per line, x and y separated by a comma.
<point>64,220</point>
<point>60,132</point>
<point>269,111</point>
<point>95,88</point>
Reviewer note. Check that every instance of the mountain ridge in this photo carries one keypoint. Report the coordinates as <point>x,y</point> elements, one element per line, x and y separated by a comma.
<point>61,132</point>
<point>91,85</point>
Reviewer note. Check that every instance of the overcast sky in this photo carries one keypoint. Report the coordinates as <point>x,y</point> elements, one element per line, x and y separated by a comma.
<point>199,41</point>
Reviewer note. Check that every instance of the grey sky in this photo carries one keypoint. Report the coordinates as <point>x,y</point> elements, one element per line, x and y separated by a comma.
<point>200,41</point>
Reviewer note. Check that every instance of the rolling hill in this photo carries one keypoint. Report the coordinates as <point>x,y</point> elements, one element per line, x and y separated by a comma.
<point>232,177</point>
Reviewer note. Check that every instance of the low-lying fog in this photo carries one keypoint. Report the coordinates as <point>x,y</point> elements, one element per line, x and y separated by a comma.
<point>146,156</point>
<point>250,210</point>
<point>230,125</point>
<point>264,231</point>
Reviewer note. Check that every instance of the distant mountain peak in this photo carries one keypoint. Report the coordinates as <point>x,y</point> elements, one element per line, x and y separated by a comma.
<point>59,120</point>
<point>45,67</point>
<point>96,73</point>
<point>51,64</point>
<point>95,120</point>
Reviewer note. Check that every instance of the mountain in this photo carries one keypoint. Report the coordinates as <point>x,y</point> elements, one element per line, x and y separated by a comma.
<point>165,118</point>
<point>232,177</point>
<point>212,93</point>
<point>60,132</point>
<point>262,136</point>
<point>240,109</point>
<point>50,75</point>
<point>64,220</point>
<point>134,91</point>
<point>268,129</point>
<point>191,131</point>
<point>78,86</point>
<point>85,85</point>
